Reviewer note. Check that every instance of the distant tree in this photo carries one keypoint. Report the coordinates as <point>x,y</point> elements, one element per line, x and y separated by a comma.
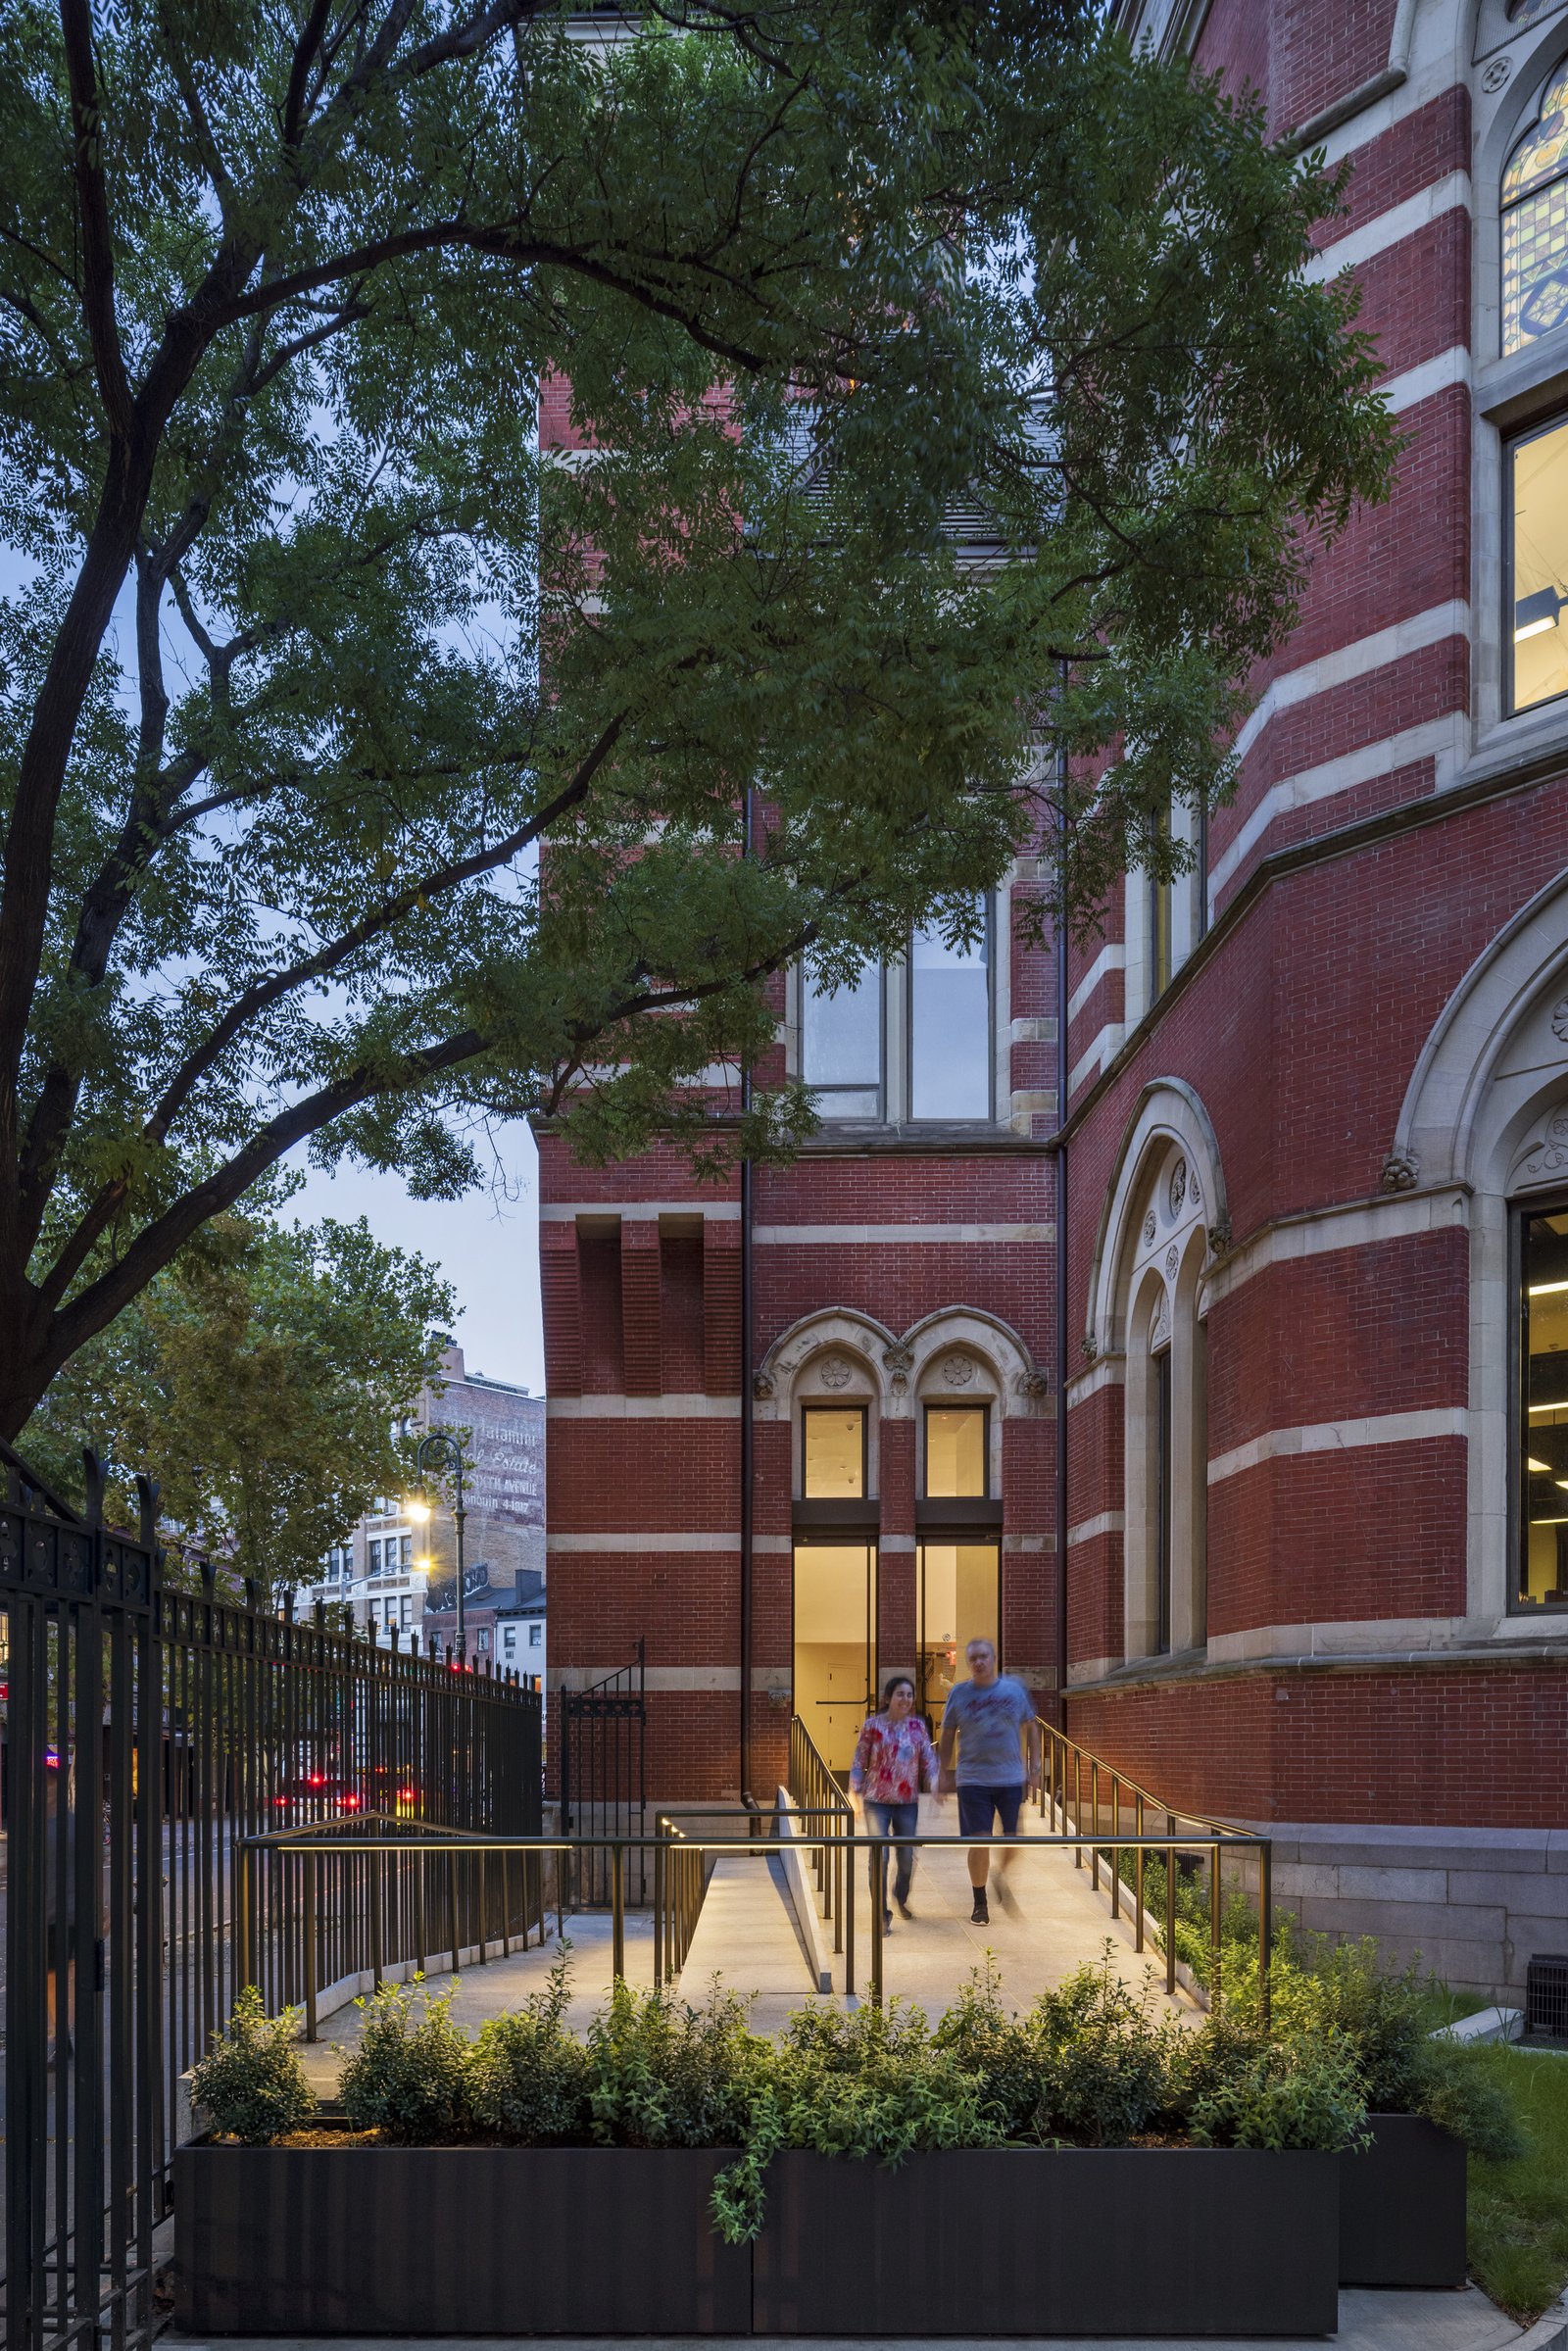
<point>260,1380</point>
<point>309,656</point>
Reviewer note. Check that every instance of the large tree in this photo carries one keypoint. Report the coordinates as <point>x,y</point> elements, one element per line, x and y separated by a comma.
<point>263,1380</point>
<point>313,665</point>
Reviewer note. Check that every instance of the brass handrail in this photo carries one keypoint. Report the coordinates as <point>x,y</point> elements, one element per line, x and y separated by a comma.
<point>814,1793</point>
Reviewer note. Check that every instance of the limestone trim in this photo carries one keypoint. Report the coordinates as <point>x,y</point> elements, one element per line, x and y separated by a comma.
<point>1168,1111</point>
<point>1112,956</point>
<point>1104,1522</point>
<point>1443,740</point>
<point>889,1373</point>
<point>1099,1055</point>
<point>1406,218</point>
<point>633,1211</point>
<point>1109,1675</point>
<point>1111,1371</point>
<point>1360,658</point>
<point>1411,1635</point>
<point>1340,1436</point>
<point>1345,1224</point>
<point>817,1236</point>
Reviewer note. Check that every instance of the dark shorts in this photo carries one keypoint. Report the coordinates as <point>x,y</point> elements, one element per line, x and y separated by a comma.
<point>977,1805</point>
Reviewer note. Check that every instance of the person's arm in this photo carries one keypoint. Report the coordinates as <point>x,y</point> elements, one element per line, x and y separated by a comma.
<point>863,1752</point>
<point>950,1740</point>
<point>929,1769</point>
<point>1032,1744</point>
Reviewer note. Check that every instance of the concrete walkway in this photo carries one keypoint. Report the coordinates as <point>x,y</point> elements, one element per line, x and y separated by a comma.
<point>1368,2322</point>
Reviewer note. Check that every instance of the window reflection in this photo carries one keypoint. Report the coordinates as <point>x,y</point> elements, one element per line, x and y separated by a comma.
<point>1544,1407</point>
<point>832,1453</point>
<point>841,1046</point>
<point>1539,588</point>
<point>949,1027</point>
<point>955,1449</point>
<point>960,1594</point>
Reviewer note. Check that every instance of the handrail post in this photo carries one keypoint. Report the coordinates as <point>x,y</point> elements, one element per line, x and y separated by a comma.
<point>878,1853</point>
<point>1138,1875</point>
<point>1115,1850</point>
<point>375,1922</point>
<point>618,1900</point>
<point>1265,1930</point>
<point>1170,1905</point>
<point>1078,1805</point>
<point>1214,1908</point>
<point>310,1947</point>
<point>658,1911</point>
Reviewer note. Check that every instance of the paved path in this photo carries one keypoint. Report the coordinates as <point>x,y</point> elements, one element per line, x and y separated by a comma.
<point>1368,2322</point>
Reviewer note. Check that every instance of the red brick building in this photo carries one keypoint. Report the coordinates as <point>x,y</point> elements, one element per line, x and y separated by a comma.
<point>1313,1147</point>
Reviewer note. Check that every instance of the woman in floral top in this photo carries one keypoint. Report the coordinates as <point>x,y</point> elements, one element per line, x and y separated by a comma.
<point>894,1760</point>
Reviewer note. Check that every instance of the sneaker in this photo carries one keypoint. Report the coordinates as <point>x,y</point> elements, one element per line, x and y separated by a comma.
<point>1008,1898</point>
<point>904,1912</point>
<point>887,1922</point>
<point>980,1915</point>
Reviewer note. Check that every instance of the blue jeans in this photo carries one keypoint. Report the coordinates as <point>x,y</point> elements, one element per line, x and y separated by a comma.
<point>892,1819</point>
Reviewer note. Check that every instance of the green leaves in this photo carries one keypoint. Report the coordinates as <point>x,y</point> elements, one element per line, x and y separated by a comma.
<point>939,426</point>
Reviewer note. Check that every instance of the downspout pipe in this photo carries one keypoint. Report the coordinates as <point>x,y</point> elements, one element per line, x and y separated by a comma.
<point>1062,1327</point>
<point>746,1447</point>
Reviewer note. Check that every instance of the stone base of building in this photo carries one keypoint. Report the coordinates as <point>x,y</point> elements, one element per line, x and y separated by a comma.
<point>1473,1905</point>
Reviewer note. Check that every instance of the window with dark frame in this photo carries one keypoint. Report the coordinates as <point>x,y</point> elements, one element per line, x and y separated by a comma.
<point>1540,1255</point>
<point>833,1453</point>
<point>841,1046</point>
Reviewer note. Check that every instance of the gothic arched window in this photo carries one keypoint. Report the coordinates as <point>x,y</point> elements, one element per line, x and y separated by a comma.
<point>1535,223</point>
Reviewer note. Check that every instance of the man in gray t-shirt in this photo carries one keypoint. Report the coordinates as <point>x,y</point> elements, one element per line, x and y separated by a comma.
<point>990,1721</point>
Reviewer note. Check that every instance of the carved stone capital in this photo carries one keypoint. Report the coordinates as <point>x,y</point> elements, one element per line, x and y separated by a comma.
<point>1401,1173</point>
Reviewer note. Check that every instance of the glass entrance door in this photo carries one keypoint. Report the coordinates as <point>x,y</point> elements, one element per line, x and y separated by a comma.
<point>960,1599</point>
<point>835,1644</point>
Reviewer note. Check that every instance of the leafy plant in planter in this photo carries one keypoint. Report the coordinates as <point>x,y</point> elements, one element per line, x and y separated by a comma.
<point>664,2074</point>
<point>409,2075</point>
<point>528,2074</point>
<point>251,2081</point>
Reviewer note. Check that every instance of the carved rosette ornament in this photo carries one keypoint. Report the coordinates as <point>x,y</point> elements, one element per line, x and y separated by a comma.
<point>1178,1187</point>
<point>1151,1228</point>
<point>1559,1021</point>
<point>957,1371</point>
<point>835,1372</point>
<point>1173,1258</point>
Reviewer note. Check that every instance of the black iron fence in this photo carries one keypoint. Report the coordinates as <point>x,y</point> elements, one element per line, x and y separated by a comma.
<point>604,1784</point>
<point>149,1732</point>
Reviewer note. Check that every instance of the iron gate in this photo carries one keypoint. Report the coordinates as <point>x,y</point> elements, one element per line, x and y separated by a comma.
<point>604,1789</point>
<point>149,1730</point>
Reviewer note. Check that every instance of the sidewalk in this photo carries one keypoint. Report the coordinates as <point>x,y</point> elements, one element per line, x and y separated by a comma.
<point>1368,2322</point>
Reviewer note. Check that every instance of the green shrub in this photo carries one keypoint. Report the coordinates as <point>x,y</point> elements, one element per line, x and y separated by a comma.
<point>251,2081</point>
<point>408,2075</point>
<point>1292,2095</point>
<point>528,2074</point>
<point>1107,2060</point>
<point>662,2074</point>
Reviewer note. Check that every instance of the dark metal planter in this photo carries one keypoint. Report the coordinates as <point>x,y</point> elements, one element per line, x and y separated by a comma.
<point>1402,2206</point>
<point>453,2242</point>
<point>602,2242</point>
<point>1041,2242</point>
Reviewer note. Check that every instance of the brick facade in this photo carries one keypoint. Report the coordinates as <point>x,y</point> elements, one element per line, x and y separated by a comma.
<point>1369,1022</point>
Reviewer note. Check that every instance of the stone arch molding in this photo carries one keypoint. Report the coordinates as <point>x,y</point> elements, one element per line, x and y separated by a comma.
<point>1486,1105</point>
<point>804,1358</point>
<point>1168,1124</point>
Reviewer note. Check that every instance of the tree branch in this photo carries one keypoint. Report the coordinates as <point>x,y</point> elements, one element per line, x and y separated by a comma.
<point>97,242</point>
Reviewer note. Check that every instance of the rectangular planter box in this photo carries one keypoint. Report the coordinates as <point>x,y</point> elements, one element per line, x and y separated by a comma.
<point>1402,2206</point>
<point>453,2242</point>
<point>1047,2240</point>
<point>601,2241</point>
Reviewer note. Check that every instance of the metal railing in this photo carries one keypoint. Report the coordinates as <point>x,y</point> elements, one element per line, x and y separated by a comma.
<point>1076,1784</point>
<point>682,1865</point>
<point>149,1731</point>
<point>604,1789</point>
<point>817,1793</point>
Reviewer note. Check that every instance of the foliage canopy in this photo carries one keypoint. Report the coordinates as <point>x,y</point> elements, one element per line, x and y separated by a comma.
<point>312,665</point>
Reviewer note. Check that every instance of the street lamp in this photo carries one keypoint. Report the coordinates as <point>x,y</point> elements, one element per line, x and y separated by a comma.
<point>445,1450</point>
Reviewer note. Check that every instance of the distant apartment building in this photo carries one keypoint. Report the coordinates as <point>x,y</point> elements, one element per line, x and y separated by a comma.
<point>399,1575</point>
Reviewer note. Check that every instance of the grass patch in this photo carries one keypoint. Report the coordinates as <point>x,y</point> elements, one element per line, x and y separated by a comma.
<point>1519,2210</point>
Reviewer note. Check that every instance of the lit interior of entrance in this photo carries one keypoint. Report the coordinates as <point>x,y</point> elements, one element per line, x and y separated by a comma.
<point>835,1644</point>
<point>960,1589</point>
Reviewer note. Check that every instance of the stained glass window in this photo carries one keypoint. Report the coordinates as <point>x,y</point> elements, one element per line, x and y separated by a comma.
<point>1535,225</point>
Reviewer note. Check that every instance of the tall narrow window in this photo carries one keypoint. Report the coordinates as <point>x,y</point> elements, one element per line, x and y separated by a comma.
<point>1201,876</point>
<point>1537,585</point>
<point>1542,1243</point>
<point>1164,1516</point>
<point>1535,225</point>
<point>841,1046</point>
<point>1159,917</point>
<point>955,1450</point>
<point>949,1026</point>
<point>833,1453</point>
